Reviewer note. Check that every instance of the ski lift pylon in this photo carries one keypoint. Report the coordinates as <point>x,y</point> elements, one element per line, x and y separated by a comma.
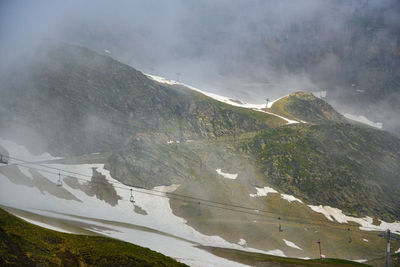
<point>349,235</point>
<point>131,199</point>
<point>59,181</point>
<point>280,226</point>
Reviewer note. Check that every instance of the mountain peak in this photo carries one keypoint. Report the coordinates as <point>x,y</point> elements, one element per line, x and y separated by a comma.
<point>305,106</point>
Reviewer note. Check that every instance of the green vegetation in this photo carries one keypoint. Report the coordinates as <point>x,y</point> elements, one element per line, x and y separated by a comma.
<point>24,244</point>
<point>306,107</point>
<point>340,165</point>
<point>257,259</point>
<point>81,102</point>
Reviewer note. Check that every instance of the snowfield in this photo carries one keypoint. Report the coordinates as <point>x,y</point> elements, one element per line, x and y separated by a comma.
<point>33,188</point>
<point>173,238</point>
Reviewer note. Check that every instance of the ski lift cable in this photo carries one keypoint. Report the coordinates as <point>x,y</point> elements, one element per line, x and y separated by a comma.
<point>251,211</point>
<point>141,187</point>
<point>214,204</point>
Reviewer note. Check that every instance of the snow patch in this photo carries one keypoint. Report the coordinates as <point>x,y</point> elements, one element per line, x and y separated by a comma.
<point>291,244</point>
<point>183,238</point>
<point>363,119</point>
<point>227,175</point>
<point>361,260</point>
<point>44,225</point>
<point>276,252</point>
<point>365,240</point>
<point>365,223</point>
<point>290,198</point>
<point>173,142</point>
<point>262,192</point>
<point>242,242</point>
<point>397,251</point>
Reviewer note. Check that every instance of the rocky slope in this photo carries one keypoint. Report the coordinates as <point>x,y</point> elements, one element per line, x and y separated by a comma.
<point>81,102</point>
<point>307,107</point>
<point>151,134</point>
<point>340,165</point>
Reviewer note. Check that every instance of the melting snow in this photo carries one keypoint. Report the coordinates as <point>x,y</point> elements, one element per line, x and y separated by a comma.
<point>291,244</point>
<point>44,225</point>
<point>364,120</point>
<point>262,192</point>
<point>172,142</point>
<point>159,213</point>
<point>361,260</point>
<point>366,222</point>
<point>276,252</point>
<point>242,242</point>
<point>227,175</point>
<point>290,198</point>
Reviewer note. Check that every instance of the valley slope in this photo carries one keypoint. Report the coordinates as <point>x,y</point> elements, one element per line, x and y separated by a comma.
<point>318,177</point>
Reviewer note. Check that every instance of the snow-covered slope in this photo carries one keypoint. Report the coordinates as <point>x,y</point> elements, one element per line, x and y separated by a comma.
<point>148,222</point>
<point>32,187</point>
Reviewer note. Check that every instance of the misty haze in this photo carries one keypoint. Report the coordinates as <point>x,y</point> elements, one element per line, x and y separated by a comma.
<point>200,133</point>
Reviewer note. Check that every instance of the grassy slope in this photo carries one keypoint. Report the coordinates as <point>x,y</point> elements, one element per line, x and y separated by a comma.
<point>394,261</point>
<point>200,159</point>
<point>22,243</point>
<point>257,259</point>
<point>306,107</point>
<point>333,164</point>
